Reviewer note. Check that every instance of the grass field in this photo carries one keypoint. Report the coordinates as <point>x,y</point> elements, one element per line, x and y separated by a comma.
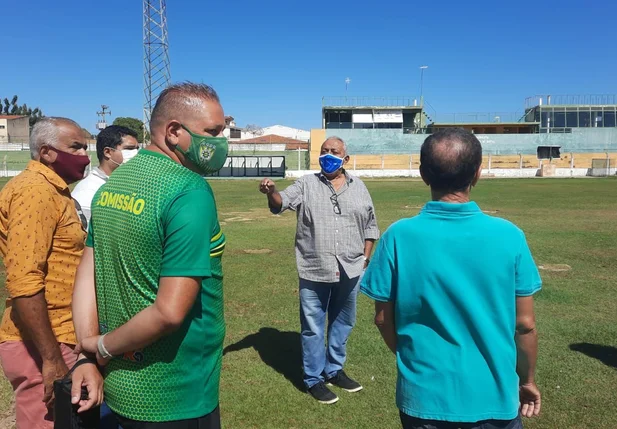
<point>569,221</point>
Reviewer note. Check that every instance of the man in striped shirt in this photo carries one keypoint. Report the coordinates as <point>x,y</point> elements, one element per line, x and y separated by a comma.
<point>336,230</point>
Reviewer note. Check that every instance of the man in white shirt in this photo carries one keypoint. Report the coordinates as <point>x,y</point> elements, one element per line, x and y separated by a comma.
<point>115,145</point>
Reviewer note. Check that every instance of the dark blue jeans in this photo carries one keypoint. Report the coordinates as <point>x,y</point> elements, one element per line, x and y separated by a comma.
<point>415,423</point>
<point>108,419</point>
<point>337,302</point>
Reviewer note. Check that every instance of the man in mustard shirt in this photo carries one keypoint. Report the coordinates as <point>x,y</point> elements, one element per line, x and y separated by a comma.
<point>41,242</point>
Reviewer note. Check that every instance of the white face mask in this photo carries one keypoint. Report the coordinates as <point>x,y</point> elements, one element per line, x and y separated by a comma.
<point>128,154</point>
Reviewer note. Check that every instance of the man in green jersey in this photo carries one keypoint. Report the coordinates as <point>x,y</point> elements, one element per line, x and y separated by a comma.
<point>154,250</point>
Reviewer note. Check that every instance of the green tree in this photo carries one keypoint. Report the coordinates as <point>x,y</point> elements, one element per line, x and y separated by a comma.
<point>11,108</point>
<point>87,134</point>
<point>135,125</point>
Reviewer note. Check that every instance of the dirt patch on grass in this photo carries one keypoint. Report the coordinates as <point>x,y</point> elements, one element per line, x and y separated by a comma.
<point>247,216</point>
<point>257,251</point>
<point>238,219</point>
<point>414,207</point>
<point>556,268</point>
<point>490,211</point>
<point>7,419</point>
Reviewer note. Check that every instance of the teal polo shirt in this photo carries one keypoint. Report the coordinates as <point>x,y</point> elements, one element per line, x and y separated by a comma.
<point>453,274</point>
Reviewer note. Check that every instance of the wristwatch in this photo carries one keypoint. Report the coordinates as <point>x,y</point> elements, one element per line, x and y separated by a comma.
<point>366,260</point>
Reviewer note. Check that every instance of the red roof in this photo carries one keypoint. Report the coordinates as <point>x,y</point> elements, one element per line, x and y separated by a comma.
<point>12,116</point>
<point>270,139</point>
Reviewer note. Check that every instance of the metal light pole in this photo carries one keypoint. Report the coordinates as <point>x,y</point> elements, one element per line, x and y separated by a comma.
<point>422,68</point>
<point>157,75</point>
<point>347,82</point>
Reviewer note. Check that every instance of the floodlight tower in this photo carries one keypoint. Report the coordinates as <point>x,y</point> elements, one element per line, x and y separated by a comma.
<point>157,74</point>
<point>101,123</point>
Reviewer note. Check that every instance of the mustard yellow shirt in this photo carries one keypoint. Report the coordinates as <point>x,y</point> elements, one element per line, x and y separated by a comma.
<point>41,242</point>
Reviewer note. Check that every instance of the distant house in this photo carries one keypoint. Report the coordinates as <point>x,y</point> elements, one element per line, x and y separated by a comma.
<point>268,143</point>
<point>14,129</point>
<point>232,131</point>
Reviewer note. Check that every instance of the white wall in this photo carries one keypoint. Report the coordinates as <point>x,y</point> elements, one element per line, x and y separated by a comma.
<point>4,132</point>
<point>500,172</point>
<point>248,147</point>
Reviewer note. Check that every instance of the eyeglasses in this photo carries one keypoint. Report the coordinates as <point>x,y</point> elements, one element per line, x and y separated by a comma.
<point>335,205</point>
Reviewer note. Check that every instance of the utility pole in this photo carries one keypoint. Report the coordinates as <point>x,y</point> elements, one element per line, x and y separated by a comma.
<point>422,68</point>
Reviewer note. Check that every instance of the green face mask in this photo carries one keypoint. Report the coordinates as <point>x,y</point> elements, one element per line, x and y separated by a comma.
<point>206,153</point>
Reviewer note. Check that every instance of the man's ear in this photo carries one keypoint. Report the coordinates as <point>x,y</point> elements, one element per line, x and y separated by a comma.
<point>476,178</point>
<point>346,159</point>
<point>172,133</point>
<point>107,153</point>
<point>46,155</point>
<point>424,179</point>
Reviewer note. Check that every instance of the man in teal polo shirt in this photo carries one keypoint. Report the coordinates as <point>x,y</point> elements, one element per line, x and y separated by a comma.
<point>154,249</point>
<point>454,301</point>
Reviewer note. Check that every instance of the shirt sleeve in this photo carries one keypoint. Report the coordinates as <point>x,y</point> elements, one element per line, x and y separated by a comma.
<point>291,197</point>
<point>32,220</point>
<point>527,279</point>
<point>371,230</point>
<point>188,227</point>
<point>90,237</point>
<point>379,281</point>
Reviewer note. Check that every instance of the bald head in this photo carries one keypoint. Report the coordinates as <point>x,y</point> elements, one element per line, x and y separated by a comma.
<point>184,102</point>
<point>450,159</point>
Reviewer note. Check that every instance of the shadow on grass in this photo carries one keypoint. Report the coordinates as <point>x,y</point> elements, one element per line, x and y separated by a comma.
<point>281,351</point>
<point>605,354</point>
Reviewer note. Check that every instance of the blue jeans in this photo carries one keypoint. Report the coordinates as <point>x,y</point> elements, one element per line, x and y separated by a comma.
<point>338,302</point>
<point>108,419</point>
<point>410,422</point>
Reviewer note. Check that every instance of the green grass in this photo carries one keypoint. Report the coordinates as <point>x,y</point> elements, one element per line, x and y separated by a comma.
<point>567,221</point>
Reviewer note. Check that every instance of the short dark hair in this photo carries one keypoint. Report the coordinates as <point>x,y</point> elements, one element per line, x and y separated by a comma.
<point>450,158</point>
<point>111,137</point>
<point>180,98</point>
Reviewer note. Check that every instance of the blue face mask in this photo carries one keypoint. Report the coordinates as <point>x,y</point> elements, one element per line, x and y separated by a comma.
<point>330,163</point>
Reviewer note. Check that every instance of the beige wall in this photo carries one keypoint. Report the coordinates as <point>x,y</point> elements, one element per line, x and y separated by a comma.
<point>18,130</point>
<point>407,162</point>
<point>318,136</point>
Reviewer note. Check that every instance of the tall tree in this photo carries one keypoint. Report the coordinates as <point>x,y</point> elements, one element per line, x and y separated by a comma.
<point>87,134</point>
<point>135,125</point>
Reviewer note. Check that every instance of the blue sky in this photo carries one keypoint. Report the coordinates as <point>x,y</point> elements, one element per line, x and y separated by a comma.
<point>271,61</point>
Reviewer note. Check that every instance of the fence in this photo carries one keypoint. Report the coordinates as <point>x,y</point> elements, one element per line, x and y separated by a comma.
<point>252,166</point>
<point>295,159</point>
<point>14,159</point>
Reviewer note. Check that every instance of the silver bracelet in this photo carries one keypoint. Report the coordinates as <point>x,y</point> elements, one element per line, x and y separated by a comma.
<point>101,348</point>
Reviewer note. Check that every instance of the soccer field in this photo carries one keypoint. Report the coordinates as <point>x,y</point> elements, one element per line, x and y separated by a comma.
<point>567,221</point>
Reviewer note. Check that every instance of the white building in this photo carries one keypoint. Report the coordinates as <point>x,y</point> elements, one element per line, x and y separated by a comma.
<point>289,132</point>
<point>14,129</point>
<point>234,132</point>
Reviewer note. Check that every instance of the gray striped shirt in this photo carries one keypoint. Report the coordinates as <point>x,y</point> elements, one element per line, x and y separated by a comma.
<point>332,226</point>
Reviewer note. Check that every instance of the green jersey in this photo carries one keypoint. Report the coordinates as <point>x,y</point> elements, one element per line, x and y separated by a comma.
<point>155,218</point>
